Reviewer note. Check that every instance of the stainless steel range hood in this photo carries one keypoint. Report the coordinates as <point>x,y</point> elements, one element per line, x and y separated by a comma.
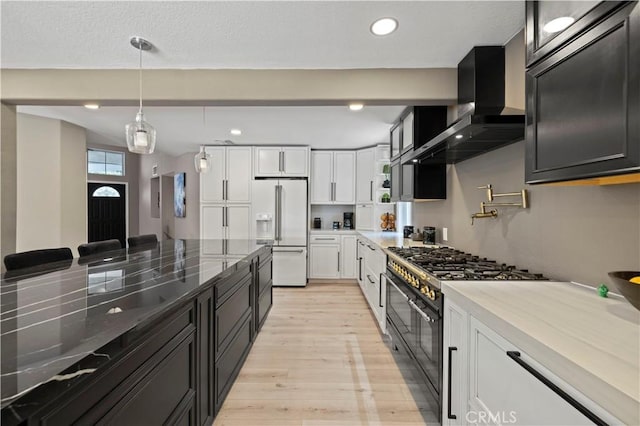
<point>484,123</point>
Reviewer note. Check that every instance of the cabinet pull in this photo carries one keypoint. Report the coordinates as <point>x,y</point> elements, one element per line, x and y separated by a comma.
<point>380,292</point>
<point>449,414</point>
<point>283,164</point>
<point>371,280</point>
<point>360,269</point>
<point>371,248</point>
<point>325,239</point>
<point>226,189</point>
<point>515,355</point>
<point>289,251</point>
<point>223,191</point>
<point>338,261</point>
<point>371,191</point>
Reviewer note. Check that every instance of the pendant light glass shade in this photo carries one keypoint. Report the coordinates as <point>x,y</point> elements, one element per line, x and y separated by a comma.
<point>203,161</point>
<point>141,136</point>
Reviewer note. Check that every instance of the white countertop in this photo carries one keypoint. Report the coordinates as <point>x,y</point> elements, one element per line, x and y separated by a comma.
<point>390,239</point>
<point>592,343</point>
<point>333,231</point>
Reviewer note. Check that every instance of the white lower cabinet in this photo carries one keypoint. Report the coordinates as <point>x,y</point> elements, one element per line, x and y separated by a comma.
<point>290,266</point>
<point>488,380</point>
<point>332,256</point>
<point>324,261</point>
<point>371,265</point>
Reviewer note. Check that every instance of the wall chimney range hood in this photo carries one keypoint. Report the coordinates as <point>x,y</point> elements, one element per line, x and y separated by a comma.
<point>483,122</point>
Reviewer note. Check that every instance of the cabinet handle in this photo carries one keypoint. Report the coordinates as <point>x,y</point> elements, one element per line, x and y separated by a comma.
<point>223,191</point>
<point>289,251</point>
<point>226,189</point>
<point>360,269</point>
<point>371,248</point>
<point>338,261</point>
<point>449,414</point>
<point>371,280</point>
<point>380,292</point>
<point>371,191</point>
<point>515,355</point>
<point>283,164</point>
<point>325,239</point>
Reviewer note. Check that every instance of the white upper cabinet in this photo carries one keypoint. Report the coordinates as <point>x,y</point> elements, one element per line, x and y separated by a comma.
<point>333,177</point>
<point>238,185</point>
<point>212,183</point>
<point>321,177</point>
<point>270,161</point>
<point>267,161</point>
<point>229,179</point>
<point>365,178</point>
<point>295,161</point>
<point>344,177</point>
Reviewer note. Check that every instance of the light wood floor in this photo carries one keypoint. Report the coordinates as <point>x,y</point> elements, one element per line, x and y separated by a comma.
<point>320,360</point>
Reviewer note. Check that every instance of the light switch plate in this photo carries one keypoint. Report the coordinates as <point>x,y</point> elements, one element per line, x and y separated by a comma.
<point>445,234</point>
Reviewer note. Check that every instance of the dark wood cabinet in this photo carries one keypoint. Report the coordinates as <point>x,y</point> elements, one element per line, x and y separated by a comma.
<point>205,329</point>
<point>264,290</point>
<point>583,103</point>
<point>551,24</point>
<point>396,181</point>
<point>415,127</point>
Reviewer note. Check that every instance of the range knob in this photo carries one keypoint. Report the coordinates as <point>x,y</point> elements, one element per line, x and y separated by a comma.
<point>432,295</point>
<point>423,290</point>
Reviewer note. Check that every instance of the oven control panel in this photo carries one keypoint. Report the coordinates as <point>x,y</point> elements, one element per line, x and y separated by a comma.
<point>413,279</point>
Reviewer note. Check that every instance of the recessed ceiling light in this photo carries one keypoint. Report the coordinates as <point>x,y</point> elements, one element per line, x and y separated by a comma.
<point>414,160</point>
<point>92,106</point>
<point>384,26</point>
<point>458,136</point>
<point>356,107</point>
<point>236,132</point>
<point>558,24</point>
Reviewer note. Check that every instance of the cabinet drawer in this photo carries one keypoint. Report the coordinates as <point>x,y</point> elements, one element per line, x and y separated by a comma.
<point>231,313</point>
<point>229,364</point>
<point>265,275</point>
<point>224,289</point>
<point>325,239</point>
<point>160,398</point>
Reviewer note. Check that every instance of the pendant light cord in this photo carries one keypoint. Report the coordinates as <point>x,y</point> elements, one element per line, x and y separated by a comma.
<point>140,78</point>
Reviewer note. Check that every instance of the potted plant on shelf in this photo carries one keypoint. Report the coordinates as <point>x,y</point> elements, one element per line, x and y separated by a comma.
<point>386,198</point>
<point>386,169</point>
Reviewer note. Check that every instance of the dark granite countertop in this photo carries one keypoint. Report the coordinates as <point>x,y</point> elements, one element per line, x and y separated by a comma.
<point>63,324</point>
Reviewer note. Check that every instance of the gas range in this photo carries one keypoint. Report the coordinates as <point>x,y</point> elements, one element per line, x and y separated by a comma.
<point>424,268</point>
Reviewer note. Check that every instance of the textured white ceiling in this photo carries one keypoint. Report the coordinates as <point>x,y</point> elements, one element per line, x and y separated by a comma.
<point>250,34</point>
<point>182,129</point>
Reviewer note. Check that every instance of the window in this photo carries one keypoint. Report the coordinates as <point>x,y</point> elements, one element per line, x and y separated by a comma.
<point>105,162</point>
<point>105,191</point>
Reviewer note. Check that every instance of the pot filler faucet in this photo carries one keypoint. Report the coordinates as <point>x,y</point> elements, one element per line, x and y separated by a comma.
<point>524,202</point>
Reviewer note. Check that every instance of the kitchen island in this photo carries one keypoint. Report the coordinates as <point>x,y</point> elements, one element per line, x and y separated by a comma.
<point>149,336</point>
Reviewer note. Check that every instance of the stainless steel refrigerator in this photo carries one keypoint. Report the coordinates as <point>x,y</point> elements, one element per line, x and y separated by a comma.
<point>279,211</point>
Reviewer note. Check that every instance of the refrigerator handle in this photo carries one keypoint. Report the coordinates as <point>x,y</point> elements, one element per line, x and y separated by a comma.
<point>280,211</point>
<point>275,219</point>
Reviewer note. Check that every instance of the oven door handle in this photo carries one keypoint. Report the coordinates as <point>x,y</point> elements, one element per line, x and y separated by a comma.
<point>420,312</point>
<point>390,281</point>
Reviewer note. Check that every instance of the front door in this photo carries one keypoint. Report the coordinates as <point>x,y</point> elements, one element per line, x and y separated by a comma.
<point>107,212</point>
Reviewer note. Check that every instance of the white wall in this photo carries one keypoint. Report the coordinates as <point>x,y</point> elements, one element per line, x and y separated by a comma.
<point>184,228</point>
<point>573,233</point>
<point>51,184</point>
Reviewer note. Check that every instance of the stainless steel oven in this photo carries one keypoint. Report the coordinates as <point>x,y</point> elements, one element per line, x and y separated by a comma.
<point>417,323</point>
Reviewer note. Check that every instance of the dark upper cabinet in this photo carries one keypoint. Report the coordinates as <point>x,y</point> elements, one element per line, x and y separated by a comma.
<point>551,24</point>
<point>415,127</point>
<point>396,182</point>
<point>583,103</point>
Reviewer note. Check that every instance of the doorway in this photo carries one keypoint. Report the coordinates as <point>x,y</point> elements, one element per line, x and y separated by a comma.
<point>107,212</point>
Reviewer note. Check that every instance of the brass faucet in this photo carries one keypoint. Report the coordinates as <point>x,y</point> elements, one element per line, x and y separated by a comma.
<point>524,202</point>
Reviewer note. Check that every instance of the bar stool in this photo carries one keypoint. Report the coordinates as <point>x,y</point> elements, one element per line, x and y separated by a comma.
<point>142,240</point>
<point>32,258</point>
<point>97,247</point>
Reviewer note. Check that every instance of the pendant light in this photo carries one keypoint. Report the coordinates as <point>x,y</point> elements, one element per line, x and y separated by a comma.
<point>141,136</point>
<point>203,159</point>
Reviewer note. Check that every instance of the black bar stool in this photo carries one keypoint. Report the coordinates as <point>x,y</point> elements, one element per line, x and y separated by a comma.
<point>97,247</point>
<point>142,240</point>
<point>32,258</point>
